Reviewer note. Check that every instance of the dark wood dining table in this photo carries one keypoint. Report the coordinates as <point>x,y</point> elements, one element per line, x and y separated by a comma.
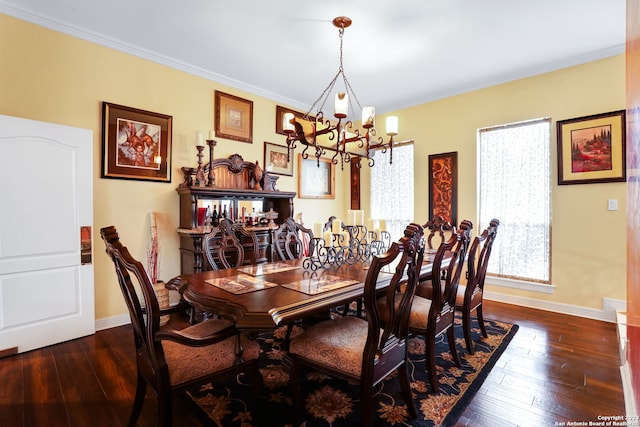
<point>291,296</point>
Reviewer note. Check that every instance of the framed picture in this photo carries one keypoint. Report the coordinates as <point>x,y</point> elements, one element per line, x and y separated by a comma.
<point>316,178</point>
<point>275,159</point>
<point>234,117</point>
<point>280,112</point>
<point>443,186</point>
<point>136,144</point>
<point>592,149</point>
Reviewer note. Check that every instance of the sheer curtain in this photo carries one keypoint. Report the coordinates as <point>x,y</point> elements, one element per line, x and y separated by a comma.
<point>392,189</point>
<point>514,186</point>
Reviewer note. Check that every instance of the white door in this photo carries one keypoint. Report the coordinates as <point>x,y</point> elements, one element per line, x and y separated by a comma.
<point>46,196</point>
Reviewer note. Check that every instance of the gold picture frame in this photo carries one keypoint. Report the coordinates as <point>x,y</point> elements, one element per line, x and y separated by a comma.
<point>281,111</point>
<point>233,117</point>
<point>276,160</point>
<point>316,178</point>
<point>592,149</point>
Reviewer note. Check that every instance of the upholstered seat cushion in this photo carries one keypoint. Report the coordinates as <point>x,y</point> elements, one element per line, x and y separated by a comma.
<point>419,314</point>
<point>186,363</point>
<point>337,343</point>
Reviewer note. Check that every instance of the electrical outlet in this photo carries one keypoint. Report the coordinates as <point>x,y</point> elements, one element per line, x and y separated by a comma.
<point>613,204</point>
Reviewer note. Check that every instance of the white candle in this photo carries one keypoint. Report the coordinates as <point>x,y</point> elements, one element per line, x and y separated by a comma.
<point>370,224</point>
<point>328,238</point>
<point>341,109</point>
<point>359,217</point>
<point>392,125</point>
<point>351,217</point>
<point>336,226</point>
<point>199,139</point>
<point>383,225</point>
<point>317,230</point>
<point>368,117</point>
<point>211,135</point>
<point>345,238</point>
<point>378,234</point>
<point>287,124</point>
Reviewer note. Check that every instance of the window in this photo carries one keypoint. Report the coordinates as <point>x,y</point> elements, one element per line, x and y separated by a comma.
<point>392,188</point>
<point>514,186</point>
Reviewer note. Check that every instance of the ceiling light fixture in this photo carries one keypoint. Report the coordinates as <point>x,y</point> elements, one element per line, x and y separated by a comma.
<point>347,144</point>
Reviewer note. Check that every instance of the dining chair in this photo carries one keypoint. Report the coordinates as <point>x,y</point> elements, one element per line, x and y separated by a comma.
<point>438,228</point>
<point>469,295</point>
<point>366,350</point>
<point>292,240</point>
<point>224,249</point>
<point>172,360</point>
<point>432,317</point>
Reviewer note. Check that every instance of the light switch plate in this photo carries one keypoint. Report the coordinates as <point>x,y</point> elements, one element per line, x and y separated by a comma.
<point>613,204</point>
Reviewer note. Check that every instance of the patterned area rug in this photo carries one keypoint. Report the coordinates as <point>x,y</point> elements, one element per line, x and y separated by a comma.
<point>332,402</point>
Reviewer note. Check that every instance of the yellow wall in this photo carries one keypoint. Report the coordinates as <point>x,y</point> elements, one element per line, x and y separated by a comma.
<point>56,78</point>
<point>48,76</point>
<point>588,241</point>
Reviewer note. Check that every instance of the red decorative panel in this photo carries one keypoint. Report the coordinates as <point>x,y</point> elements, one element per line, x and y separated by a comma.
<point>443,186</point>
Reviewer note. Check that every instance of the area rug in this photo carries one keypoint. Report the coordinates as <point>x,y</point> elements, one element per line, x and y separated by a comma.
<point>333,402</point>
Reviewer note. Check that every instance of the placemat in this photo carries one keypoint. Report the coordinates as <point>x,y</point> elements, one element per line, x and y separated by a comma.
<point>262,269</point>
<point>318,285</point>
<point>240,284</point>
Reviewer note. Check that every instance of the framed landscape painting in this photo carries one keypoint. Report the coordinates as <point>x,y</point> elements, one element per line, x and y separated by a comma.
<point>592,149</point>
<point>276,160</point>
<point>316,178</point>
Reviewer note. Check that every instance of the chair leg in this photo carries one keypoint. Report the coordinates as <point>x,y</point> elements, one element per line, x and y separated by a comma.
<point>141,391</point>
<point>366,403</point>
<point>452,345</point>
<point>405,387</point>
<point>481,321</point>
<point>430,350</point>
<point>466,326</point>
<point>165,410</point>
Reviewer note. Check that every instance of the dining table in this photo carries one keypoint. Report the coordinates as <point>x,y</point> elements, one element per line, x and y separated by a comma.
<point>263,296</point>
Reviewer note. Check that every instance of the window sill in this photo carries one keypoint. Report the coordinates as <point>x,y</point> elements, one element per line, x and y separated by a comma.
<point>520,284</point>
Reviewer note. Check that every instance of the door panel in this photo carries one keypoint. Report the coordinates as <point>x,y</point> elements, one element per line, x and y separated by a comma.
<point>46,182</point>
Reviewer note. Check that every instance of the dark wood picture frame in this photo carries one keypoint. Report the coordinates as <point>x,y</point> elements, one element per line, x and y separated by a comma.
<point>592,149</point>
<point>276,161</point>
<point>443,186</point>
<point>136,144</point>
<point>233,117</point>
<point>280,112</point>
<point>316,178</point>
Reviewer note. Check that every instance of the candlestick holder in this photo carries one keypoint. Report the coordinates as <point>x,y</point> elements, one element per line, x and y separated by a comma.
<point>211,181</point>
<point>200,179</point>
<point>380,243</point>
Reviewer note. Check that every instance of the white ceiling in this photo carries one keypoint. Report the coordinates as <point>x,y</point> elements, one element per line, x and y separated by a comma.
<point>396,53</point>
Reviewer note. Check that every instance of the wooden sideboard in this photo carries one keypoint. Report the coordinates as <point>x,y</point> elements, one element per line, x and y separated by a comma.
<point>233,182</point>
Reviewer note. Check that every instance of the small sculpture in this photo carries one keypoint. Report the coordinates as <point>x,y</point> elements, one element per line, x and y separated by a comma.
<point>257,174</point>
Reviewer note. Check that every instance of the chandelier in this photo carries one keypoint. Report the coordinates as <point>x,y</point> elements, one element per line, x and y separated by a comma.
<point>320,136</point>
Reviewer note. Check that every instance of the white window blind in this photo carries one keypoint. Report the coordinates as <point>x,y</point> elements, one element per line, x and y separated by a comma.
<point>392,189</point>
<point>514,176</point>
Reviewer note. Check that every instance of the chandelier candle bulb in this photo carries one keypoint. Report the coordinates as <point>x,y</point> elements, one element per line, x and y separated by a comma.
<point>341,105</point>
<point>392,125</point>
<point>199,139</point>
<point>368,117</point>
<point>287,123</point>
<point>336,226</point>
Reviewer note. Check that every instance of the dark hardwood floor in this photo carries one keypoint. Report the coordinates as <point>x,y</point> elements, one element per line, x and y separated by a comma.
<point>558,368</point>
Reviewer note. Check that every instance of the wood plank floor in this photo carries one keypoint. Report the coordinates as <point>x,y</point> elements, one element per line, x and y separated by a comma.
<point>558,368</point>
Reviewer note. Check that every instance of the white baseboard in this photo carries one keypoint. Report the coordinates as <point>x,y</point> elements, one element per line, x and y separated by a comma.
<point>627,387</point>
<point>112,322</point>
<point>607,313</point>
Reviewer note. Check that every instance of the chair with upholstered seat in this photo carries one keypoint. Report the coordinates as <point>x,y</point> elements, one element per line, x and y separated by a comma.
<point>469,296</point>
<point>432,317</point>
<point>366,350</point>
<point>438,229</point>
<point>172,360</point>
<point>289,241</point>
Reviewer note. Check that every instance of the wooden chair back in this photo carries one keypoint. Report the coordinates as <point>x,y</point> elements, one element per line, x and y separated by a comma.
<point>222,247</point>
<point>438,229</point>
<point>289,241</point>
